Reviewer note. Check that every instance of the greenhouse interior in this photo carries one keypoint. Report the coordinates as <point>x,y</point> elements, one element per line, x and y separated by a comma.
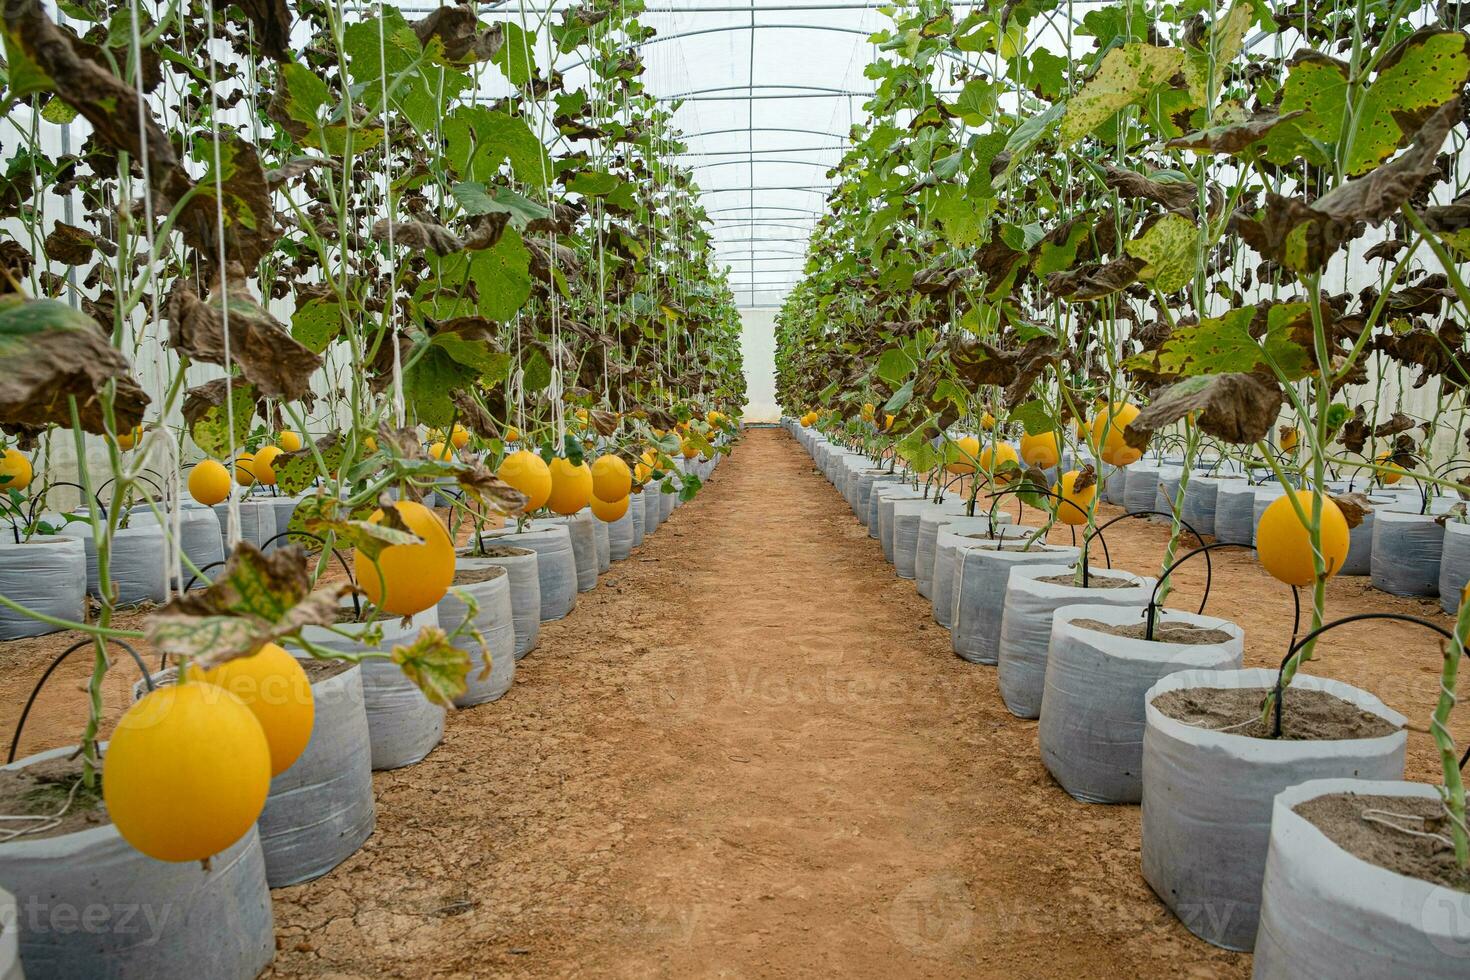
<point>734,488</point>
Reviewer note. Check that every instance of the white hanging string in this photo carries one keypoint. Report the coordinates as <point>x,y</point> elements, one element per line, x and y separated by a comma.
<point>385,262</point>
<point>164,439</point>
<point>232,502</point>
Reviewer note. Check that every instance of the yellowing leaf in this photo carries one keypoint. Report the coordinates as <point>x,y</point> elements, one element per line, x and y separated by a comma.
<point>1126,77</point>
<point>1169,247</point>
<point>1205,67</point>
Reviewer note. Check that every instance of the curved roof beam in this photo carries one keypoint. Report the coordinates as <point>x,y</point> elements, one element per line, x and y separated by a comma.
<point>727,28</point>
<point>762,207</point>
<point>762,129</point>
<point>745,163</point>
<point>809,188</point>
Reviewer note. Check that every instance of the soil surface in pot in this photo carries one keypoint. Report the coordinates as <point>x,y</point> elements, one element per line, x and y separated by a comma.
<point>45,789</point>
<point>1185,634</point>
<point>1094,581</point>
<point>1306,715</point>
<point>474,576</point>
<point>1390,831</point>
<point>494,551</point>
<point>323,670</point>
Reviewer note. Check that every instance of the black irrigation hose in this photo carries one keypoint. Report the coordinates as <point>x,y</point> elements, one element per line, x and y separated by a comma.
<point>30,701</point>
<point>1209,579</point>
<point>1356,617</point>
<point>9,507</point>
<point>156,488</point>
<point>1097,532</point>
<point>40,496</point>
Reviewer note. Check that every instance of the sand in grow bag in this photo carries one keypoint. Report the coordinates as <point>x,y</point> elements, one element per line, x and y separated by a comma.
<point>1094,581</point>
<point>1306,715</point>
<point>1342,818</point>
<point>1164,632</point>
<point>42,789</point>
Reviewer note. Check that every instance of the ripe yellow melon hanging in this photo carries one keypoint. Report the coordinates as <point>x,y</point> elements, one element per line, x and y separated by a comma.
<point>1107,433</point>
<point>1284,544</point>
<point>15,470</point>
<point>273,685</point>
<point>571,487</point>
<point>265,465</point>
<point>209,482</point>
<point>994,457</point>
<point>289,441</point>
<point>127,440</point>
<point>611,478</point>
<point>245,469</point>
<point>415,576</point>
<point>1391,473</point>
<point>529,474</point>
<point>441,452</point>
<point>187,772</point>
<point>648,461</point>
<point>606,511</point>
<point>1043,449</point>
<point>1073,507</point>
<point>459,436</point>
<point>961,454</point>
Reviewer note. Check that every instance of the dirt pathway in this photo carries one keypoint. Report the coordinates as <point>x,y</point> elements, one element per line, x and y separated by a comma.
<point>749,753</point>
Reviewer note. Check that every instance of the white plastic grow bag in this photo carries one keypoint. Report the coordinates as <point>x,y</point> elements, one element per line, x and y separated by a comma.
<point>635,514</point>
<point>652,509</point>
<point>907,524</point>
<point>525,592</point>
<point>556,568</point>
<point>90,905</point>
<point>137,561</point>
<point>1406,553</point>
<point>887,500</point>
<point>321,810</point>
<point>1115,485</point>
<point>1141,489</point>
<point>582,529</point>
<point>927,545</point>
<point>47,574</point>
<point>981,573</point>
<point>879,489</point>
<point>955,534</point>
<point>1454,565</point>
<point>1207,798</point>
<point>1235,511</point>
<point>604,544</point>
<point>1199,503</point>
<point>620,535</point>
<point>1025,625</point>
<point>257,522</point>
<point>1092,714</point>
<point>495,621</point>
<point>1327,913</point>
<point>867,481</point>
<point>404,725</point>
<point>285,508</point>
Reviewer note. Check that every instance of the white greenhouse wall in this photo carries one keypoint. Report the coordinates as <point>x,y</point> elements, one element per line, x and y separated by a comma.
<point>758,351</point>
